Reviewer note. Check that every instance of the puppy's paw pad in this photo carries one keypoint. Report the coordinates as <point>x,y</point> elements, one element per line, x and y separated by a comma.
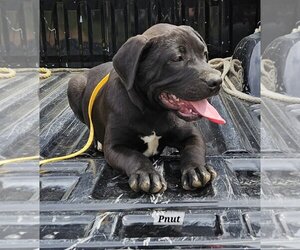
<point>147,180</point>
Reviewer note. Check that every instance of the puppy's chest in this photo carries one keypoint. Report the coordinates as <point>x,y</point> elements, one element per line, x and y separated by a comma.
<point>152,143</point>
<point>152,132</point>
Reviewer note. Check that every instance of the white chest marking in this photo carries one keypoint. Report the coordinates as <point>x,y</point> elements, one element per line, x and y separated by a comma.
<point>99,146</point>
<point>152,141</point>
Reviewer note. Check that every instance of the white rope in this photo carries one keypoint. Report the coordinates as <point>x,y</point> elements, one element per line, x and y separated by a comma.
<point>69,70</point>
<point>268,82</point>
<point>232,76</point>
<point>295,30</point>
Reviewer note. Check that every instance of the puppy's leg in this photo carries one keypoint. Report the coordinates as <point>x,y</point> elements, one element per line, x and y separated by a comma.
<point>139,169</point>
<point>76,87</point>
<point>195,172</point>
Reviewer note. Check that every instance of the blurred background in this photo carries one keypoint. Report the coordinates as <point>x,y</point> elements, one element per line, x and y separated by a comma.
<point>86,33</point>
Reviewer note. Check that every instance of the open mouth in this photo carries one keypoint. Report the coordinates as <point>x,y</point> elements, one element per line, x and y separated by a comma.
<point>191,110</point>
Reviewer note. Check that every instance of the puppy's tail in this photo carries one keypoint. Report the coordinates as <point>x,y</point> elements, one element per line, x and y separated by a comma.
<point>76,88</point>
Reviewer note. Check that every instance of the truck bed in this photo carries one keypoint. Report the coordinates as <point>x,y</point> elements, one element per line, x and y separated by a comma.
<point>85,204</point>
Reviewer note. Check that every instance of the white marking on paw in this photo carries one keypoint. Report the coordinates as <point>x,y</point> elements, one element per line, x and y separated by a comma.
<point>99,146</point>
<point>152,141</point>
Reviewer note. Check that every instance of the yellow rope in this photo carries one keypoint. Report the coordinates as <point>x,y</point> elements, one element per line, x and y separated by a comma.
<point>7,73</point>
<point>21,159</point>
<point>91,135</point>
<point>86,146</point>
<point>44,73</point>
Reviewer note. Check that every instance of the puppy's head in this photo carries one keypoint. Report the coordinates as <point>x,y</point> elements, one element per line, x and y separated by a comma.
<point>167,68</point>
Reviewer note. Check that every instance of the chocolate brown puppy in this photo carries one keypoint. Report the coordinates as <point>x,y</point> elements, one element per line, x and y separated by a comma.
<point>159,82</point>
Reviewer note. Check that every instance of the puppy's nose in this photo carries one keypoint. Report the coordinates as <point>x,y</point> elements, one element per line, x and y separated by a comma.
<point>214,81</point>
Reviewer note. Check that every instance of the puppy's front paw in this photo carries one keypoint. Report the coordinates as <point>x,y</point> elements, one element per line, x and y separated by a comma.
<point>147,180</point>
<point>196,176</point>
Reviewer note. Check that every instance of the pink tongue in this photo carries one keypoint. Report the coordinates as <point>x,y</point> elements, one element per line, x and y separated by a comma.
<point>205,109</point>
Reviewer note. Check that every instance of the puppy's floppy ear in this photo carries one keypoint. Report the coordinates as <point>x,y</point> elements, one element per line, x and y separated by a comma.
<point>126,62</point>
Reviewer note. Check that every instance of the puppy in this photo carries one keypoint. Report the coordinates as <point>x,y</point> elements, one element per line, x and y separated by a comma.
<point>159,82</point>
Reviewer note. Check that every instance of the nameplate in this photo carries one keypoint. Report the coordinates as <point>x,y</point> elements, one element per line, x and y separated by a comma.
<point>168,217</point>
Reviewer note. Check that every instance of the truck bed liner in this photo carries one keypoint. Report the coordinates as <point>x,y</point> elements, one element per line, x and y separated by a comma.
<point>85,204</point>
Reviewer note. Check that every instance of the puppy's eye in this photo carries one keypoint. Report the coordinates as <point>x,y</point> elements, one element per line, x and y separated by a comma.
<point>177,59</point>
<point>182,49</point>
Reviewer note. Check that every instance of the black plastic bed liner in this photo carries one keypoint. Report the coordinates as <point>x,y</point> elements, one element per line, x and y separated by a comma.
<point>85,204</point>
